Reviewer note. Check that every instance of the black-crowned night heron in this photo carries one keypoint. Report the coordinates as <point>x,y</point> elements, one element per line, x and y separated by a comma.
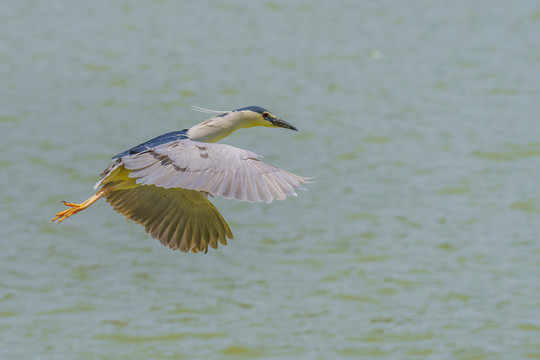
<point>163,184</point>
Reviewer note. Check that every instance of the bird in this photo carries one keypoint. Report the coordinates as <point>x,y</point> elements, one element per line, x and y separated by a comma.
<point>164,183</point>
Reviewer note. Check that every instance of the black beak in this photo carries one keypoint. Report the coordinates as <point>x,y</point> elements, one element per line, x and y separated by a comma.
<point>282,123</point>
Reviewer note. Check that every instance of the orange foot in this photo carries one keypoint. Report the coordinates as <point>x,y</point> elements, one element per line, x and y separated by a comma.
<point>75,208</point>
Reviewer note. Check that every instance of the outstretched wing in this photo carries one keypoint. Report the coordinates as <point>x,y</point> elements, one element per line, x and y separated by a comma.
<point>216,169</point>
<point>180,219</point>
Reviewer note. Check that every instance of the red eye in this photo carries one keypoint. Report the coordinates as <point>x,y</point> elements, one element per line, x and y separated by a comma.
<point>265,115</point>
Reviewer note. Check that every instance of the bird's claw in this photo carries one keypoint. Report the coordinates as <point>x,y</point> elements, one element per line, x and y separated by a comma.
<point>62,215</point>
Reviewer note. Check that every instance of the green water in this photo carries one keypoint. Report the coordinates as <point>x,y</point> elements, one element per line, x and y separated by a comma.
<point>418,239</point>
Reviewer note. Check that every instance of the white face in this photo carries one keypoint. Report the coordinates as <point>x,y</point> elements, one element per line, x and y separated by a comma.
<point>267,119</point>
<point>270,120</point>
<point>255,119</point>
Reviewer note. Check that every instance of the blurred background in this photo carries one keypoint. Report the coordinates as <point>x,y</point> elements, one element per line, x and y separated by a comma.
<point>418,239</point>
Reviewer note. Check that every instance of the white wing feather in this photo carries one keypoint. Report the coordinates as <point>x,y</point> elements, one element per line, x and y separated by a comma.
<point>217,169</point>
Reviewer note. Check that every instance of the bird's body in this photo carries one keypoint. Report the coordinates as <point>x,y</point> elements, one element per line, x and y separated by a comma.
<point>163,184</point>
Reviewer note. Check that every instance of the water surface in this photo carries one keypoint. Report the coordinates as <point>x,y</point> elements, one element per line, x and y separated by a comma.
<point>418,239</point>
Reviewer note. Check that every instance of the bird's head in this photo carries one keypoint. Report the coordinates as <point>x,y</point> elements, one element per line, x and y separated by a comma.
<point>224,123</point>
<point>258,116</point>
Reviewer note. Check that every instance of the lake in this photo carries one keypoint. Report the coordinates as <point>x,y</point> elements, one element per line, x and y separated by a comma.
<point>418,238</point>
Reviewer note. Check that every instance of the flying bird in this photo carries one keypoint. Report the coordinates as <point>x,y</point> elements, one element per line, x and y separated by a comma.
<point>163,184</point>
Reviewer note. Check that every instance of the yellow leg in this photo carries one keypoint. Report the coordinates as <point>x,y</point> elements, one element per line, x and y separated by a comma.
<point>75,208</point>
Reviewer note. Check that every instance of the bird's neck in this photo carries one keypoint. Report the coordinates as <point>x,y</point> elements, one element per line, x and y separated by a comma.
<point>216,128</point>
